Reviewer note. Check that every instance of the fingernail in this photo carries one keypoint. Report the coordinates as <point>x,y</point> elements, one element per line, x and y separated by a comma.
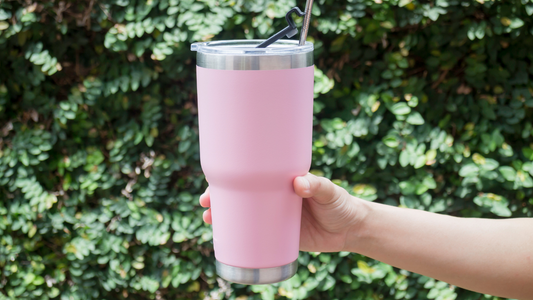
<point>305,182</point>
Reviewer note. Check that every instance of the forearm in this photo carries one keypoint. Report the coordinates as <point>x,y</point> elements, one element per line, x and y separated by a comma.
<point>484,255</point>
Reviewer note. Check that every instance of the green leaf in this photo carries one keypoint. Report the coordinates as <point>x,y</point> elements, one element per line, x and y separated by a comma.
<point>403,63</point>
<point>32,231</point>
<point>172,10</point>
<point>403,3</point>
<point>387,74</point>
<point>438,206</point>
<point>429,182</point>
<point>420,161</point>
<point>415,118</point>
<point>433,14</point>
<point>469,170</point>
<point>396,82</point>
<point>431,154</point>
<point>404,158</point>
<point>420,189</point>
<point>4,14</point>
<point>24,159</point>
<point>409,202</point>
<point>327,284</point>
<point>28,279</point>
<point>407,187</point>
<point>149,139</point>
<point>54,292</point>
<point>391,141</point>
<point>528,153</point>
<point>178,237</point>
<point>331,125</point>
<point>501,209</point>
<point>45,146</point>
<point>508,173</point>
<point>471,33</point>
<point>516,23</point>
<point>64,105</point>
<point>490,164</point>
<point>529,9</point>
<point>69,115</point>
<point>35,151</point>
<point>38,280</point>
<point>137,265</point>
<point>480,30</point>
<point>400,108</point>
<point>528,167</point>
<point>4,25</point>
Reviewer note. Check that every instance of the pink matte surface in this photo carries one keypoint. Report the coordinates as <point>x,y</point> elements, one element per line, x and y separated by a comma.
<point>255,138</point>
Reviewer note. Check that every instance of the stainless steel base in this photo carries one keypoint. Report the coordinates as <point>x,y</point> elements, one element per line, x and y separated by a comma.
<point>256,276</point>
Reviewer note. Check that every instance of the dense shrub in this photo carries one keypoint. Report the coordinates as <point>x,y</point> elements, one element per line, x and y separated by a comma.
<point>423,104</point>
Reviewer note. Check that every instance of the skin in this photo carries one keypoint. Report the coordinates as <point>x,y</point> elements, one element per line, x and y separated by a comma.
<point>489,256</point>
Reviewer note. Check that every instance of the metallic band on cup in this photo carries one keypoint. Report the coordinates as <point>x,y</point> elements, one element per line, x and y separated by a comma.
<point>283,54</point>
<point>256,276</point>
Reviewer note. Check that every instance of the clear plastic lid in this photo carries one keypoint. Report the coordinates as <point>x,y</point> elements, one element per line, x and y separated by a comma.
<point>248,47</point>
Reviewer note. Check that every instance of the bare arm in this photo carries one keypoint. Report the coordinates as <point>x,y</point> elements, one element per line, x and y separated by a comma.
<point>484,255</point>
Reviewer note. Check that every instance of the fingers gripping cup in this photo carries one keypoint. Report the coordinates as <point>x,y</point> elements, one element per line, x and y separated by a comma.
<point>255,113</point>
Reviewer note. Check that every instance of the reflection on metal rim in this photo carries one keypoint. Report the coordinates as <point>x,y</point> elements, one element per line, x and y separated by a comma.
<point>256,276</point>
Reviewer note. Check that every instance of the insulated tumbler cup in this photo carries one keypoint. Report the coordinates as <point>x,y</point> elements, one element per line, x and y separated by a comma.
<point>255,114</point>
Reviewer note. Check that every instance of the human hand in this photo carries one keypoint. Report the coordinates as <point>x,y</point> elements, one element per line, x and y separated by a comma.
<point>329,213</point>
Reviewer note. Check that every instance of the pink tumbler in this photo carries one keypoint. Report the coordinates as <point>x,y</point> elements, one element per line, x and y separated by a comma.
<point>255,113</point>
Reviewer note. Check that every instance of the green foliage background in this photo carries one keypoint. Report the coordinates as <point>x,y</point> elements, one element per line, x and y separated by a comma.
<point>423,104</point>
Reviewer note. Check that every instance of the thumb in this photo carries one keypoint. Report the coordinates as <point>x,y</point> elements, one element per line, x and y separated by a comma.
<point>321,189</point>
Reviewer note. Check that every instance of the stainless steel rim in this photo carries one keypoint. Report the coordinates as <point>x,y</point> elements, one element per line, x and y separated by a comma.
<point>278,58</point>
<point>256,276</point>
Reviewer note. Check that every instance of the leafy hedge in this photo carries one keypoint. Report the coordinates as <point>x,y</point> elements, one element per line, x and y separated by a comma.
<point>424,104</point>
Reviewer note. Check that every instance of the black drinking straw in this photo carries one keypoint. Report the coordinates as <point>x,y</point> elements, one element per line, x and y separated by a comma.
<point>288,31</point>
